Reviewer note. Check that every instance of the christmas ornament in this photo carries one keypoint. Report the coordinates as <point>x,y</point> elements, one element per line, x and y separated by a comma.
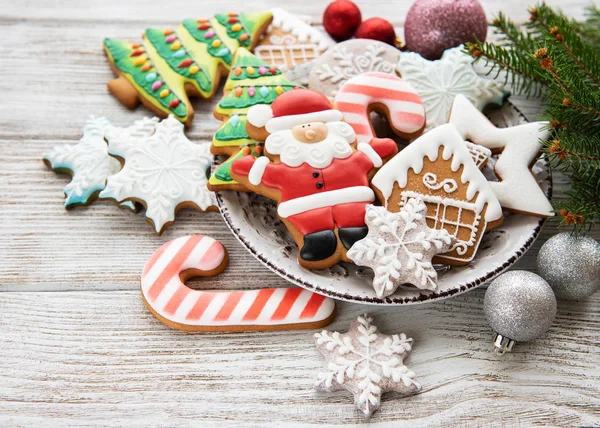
<point>399,247</point>
<point>165,171</point>
<point>376,29</point>
<point>432,26</point>
<point>366,363</point>
<point>520,306</point>
<point>341,19</point>
<point>571,265</point>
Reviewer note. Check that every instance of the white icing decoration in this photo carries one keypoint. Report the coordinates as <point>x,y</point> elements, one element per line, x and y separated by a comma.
<point>259,115</point>
<point>405,109</point>
<point>325,199</point>
<point>518,189</point>
<point>371,154</point>
<point>479,153</point>
<point>454,148</point>
<point>163,170</point>
<point>399,247</point>
<point>348,59</point>
<point>299,44</point>
<point>430,180</point>
<point>288,122</point>
<point>294,153</point>
<point>438,82</point>
<point>89,161</point>
<point>366,363</point>
<point>303,31</point>
<point>257,170</point>
<point>199,309</point>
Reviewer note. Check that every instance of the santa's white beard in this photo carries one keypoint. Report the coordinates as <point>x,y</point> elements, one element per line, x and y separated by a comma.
<point>318,155</point>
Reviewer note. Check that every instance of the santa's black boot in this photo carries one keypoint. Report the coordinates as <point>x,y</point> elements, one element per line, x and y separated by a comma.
<point>318,246</point>
<point>349,235</point>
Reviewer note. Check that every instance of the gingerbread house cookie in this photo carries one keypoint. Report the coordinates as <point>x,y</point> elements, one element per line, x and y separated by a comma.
<point>439,169</point>
<point>290,41</point>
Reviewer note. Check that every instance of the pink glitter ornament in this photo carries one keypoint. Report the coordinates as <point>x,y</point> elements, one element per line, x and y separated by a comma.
<point>432,26</point>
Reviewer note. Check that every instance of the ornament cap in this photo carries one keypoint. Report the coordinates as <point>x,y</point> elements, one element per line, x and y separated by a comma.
<point>502,344</point>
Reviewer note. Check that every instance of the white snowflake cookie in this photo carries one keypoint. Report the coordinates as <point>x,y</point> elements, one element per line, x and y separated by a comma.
<point>365,362</point>
<point>438,82</point>
<point>87,162</point>
<point>164,171</point>
<point>399,247</point>
<point>349,59</point>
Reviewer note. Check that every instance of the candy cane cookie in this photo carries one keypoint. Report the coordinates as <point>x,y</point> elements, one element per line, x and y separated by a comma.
<point>387,94</point>
<point>178,306</point>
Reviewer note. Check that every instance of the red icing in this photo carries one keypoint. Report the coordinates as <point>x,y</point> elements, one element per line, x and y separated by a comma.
<point>232,20</point>
<point>173,103</point>
<point>185,63</point>
<point>342,215</point>
<point>300,102</point>
<point>204,26</point>
<point>242,166</point>
<point>385,147</point>
<point>137,52</point>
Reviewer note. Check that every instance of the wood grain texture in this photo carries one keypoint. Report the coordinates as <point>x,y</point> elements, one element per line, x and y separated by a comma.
<point>77,346</point>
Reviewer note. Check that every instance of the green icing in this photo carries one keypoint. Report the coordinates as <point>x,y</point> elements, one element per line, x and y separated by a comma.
<point>222,52</point>
<point>222,19</point>
<point>229,132</point>
<point>157,38</point>
<point>120,53</point>
<point>223,172</point>
<point>231,101</point>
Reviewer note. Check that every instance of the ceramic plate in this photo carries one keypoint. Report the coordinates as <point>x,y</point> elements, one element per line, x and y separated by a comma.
<point>253,220</point>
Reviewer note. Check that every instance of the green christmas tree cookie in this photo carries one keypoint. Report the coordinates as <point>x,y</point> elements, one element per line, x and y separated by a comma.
<point>170,65</point>
<point>251,82</point>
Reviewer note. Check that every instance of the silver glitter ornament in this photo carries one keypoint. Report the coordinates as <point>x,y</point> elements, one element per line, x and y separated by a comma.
<point>519,306</point>
<point>571,265</point>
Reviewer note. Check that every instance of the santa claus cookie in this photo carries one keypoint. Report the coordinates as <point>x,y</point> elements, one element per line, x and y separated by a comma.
<point>315,173</point>
<point>438,169</point>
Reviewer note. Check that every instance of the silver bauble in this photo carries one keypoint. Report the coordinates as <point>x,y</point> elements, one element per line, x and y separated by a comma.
<point>571,265</point>
<point>519,306</point>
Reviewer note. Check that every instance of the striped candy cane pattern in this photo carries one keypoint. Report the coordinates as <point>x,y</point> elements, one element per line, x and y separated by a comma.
<point>368,91</point>
<point>180,307</point>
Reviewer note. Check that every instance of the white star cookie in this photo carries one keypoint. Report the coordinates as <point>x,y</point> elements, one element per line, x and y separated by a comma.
<point>164,172</point>
<point>88,163</point>
<point>366,363</point>
<point>399,247</point>
<point>438,82</point>
<point>518,146</point>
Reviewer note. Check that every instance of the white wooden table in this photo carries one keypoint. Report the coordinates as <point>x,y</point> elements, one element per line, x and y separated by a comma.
<point>78,347</point>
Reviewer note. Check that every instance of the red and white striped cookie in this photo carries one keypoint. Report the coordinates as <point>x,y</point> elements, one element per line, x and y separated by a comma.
<point>180,307</point>
<point>387,94</point>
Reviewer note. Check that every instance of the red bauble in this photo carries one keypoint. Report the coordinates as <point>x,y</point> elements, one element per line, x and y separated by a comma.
<point>377,29</point>
<point>341,19</point>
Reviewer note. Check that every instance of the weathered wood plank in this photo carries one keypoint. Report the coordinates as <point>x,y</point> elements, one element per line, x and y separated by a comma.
<point>76,358</point>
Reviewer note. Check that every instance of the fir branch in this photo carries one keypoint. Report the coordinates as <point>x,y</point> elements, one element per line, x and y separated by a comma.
<point>590,29</point>
<point>555,26</point>
<point>512,34</point>
<point>522,71</point>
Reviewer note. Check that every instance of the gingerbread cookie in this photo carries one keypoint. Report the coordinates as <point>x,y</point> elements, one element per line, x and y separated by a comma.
<point>399,247</point>
<point>175,305</point>
<point>87,162</point>
<point>314,172</point>
<point>251,82</point>
<point>289,41</point>
<point>365,362</point>
<point>170,65</point>
<point>438,82</point>
<point>348,59</point>
<point>519,147</point>
<point>438,168</point>
<point>387,94</point>
<point>164,172</point>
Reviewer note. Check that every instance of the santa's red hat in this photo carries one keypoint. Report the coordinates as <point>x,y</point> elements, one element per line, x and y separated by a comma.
<point>293,108</point>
